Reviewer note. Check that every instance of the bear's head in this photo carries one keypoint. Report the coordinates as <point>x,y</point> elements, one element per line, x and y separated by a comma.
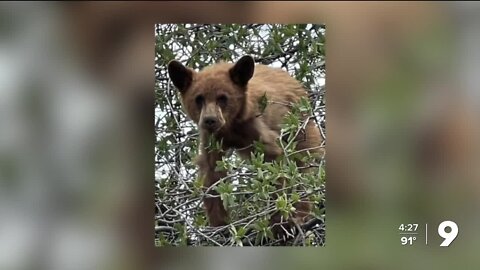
<point>214,97</point>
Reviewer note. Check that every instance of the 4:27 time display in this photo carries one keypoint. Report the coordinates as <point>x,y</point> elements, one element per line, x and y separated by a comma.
<point>410,227</point>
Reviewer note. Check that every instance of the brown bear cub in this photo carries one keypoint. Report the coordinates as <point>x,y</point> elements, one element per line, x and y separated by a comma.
<point>223,100</point>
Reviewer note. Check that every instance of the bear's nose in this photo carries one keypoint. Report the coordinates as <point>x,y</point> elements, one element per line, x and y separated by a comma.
<point>210,122</point>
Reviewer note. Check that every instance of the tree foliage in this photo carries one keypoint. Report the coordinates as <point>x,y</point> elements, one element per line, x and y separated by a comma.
<point>248,188</point>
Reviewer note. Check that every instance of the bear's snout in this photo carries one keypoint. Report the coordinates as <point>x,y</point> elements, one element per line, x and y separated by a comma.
<point>210,123</point>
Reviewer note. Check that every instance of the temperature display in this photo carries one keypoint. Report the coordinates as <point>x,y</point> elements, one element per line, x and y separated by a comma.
<point>408,240</point>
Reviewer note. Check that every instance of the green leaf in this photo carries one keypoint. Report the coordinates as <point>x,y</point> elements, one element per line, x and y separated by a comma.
<point>260,174</point>
<point>225,200</point>
<point>295,197</point>
<point>269,234</point>
<point>221,166</point>
<point>281,203</point>
<point>241,232</point>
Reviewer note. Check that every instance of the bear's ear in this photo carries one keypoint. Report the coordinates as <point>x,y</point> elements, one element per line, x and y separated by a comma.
<point>242,71</point>
<point>180,75</point>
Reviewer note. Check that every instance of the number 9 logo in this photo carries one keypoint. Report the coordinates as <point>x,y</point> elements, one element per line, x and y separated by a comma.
<point>448,236</point>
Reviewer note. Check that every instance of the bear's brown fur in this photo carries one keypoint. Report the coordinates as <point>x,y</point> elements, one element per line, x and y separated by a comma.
<point>223,100</point>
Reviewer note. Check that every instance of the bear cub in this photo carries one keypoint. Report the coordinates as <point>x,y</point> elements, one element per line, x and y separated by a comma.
<point>223,100</point>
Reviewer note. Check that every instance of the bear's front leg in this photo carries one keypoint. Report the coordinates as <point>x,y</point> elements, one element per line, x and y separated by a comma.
<point>207,161</point>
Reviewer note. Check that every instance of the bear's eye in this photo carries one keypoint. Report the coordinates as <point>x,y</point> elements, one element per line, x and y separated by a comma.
<point>222,100</point>
<point>199,100</point>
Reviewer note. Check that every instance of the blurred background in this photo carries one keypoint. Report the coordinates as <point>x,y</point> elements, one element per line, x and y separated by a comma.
<point>77,134</point>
